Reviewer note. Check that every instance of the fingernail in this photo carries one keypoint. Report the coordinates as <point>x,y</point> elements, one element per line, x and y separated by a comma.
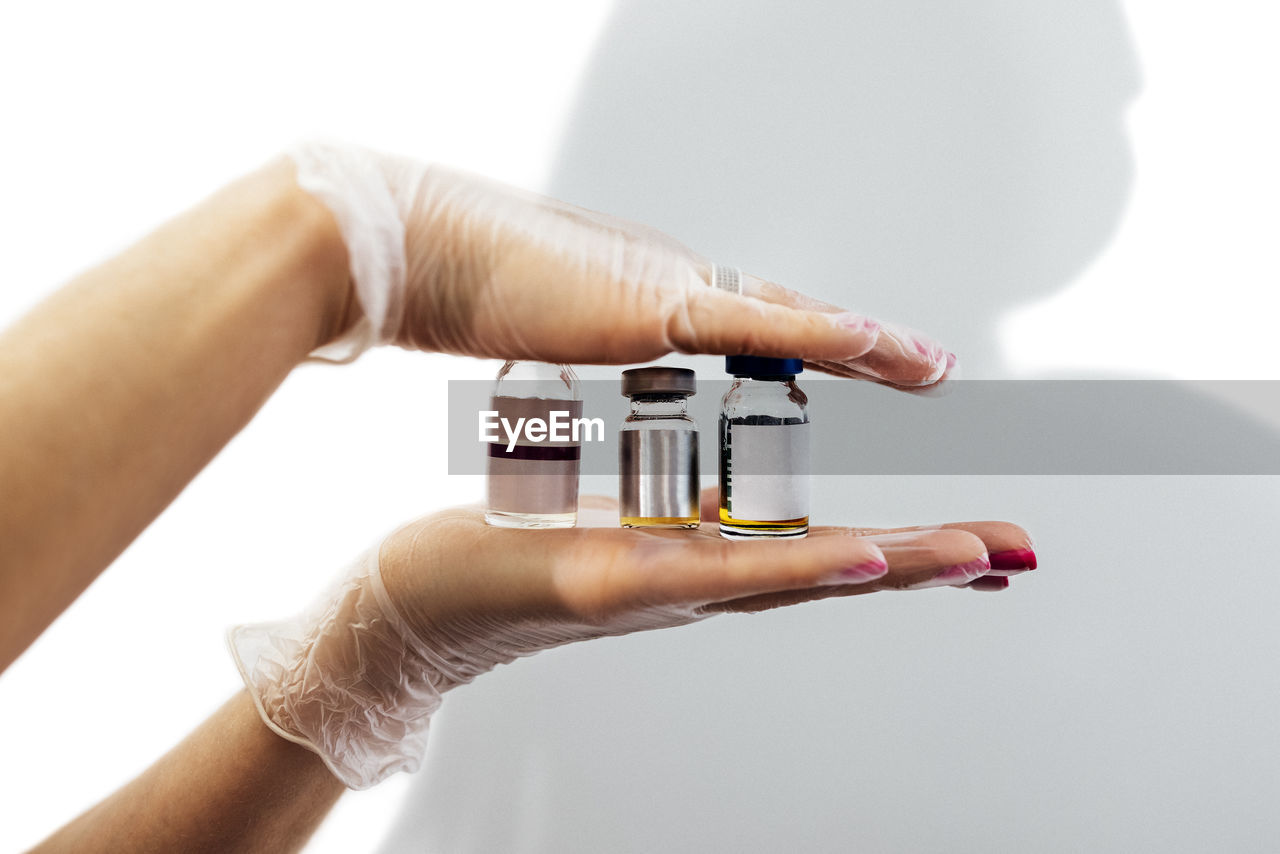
<point>961,573</point>
<point>860,574</point>
<point>931,351</point>
<point>1012,561</point>
<point>936,356</point>
<point>989,582</point>
<point>856,322</point>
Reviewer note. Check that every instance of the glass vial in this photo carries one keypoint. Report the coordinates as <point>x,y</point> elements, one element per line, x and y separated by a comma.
<point>658,451</point>
<point>764,450</point>
<point>533,484</point>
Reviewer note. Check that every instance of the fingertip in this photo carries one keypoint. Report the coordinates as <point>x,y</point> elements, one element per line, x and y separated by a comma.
<point>905,358</point>
<point>932,557</point>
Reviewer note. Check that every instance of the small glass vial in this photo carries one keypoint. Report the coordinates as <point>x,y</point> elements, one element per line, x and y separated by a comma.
<point>533,484</point>
<point>658,451</point>
<point>764,450</point>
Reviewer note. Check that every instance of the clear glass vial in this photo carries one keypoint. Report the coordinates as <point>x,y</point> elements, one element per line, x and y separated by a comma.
<point>533,485</point>
<point>764,450</point>
<point>658,451</point>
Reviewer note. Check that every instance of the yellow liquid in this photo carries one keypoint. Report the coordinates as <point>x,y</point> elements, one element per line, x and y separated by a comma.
<point>660,521</point>
<point>752,527</point>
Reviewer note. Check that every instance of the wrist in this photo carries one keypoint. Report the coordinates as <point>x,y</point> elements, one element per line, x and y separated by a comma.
<point>352,184</point>
<point>321,278</point>
<point>346,679</point>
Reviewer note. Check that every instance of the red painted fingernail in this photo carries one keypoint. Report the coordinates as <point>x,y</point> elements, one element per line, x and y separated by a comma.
<point>867,571</point>
<point>1013,560</point>
<point>989,582</point>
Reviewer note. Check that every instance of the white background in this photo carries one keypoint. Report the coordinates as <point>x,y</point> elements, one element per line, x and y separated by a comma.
<point>116,116</point>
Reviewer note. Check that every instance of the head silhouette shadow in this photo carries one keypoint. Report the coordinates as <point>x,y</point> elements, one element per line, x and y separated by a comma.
<point>929,163</point>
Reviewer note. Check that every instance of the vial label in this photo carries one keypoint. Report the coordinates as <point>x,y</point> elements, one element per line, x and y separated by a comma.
<point>658,477</point>
<point>767,471</point>
<point>533,478</point>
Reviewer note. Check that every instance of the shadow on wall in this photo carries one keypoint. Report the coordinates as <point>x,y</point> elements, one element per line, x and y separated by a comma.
<point>925,162</point>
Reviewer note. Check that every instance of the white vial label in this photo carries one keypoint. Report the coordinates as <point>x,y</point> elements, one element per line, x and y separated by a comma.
<point>768,472</point>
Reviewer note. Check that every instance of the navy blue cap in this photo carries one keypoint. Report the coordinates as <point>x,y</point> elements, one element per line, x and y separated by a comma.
<point>758,366</point>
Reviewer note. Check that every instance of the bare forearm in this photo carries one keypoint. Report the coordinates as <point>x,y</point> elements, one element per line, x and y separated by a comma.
<point>117,390</point>
<point>232,785</point>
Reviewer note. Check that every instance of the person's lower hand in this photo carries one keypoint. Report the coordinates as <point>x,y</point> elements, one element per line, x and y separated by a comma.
<point>447,598</point>
<point>446,261</point>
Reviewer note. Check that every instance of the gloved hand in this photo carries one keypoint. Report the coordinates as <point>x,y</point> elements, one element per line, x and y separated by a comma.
<point>446,261</point>
<point>356,677</point>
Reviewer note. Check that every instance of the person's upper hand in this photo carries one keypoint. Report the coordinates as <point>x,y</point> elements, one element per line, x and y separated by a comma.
<point>446,261</point>
<point>448,598</point>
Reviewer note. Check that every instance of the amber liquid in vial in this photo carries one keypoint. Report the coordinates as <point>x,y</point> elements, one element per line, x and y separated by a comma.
<point>660,521</point>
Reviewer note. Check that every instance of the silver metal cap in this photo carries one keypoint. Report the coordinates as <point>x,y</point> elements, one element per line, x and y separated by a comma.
<point>659,380</point>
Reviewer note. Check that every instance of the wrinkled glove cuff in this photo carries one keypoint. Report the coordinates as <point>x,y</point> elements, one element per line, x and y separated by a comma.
<point>350,183</point>
<point>347,679</point>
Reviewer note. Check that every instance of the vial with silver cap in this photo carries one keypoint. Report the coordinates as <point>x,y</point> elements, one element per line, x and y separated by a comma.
<point>658,451</point>
<point>764,450</point>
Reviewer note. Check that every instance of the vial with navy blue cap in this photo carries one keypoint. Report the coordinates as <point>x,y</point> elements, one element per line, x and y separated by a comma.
<point>764,450</point>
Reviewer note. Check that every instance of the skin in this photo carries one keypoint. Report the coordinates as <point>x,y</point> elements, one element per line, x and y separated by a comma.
<point>161,341</point>
<point>232,785</point>
<point>119,388</point>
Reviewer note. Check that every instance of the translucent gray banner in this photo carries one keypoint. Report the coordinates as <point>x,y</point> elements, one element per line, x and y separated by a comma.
<point>978,427</point>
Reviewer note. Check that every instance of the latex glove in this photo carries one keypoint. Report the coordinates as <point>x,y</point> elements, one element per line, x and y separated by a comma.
<point>356,677</point>
<point>446,261</point>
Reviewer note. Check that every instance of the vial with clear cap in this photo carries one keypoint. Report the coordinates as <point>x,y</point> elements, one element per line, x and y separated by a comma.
<point>658,451</point>
<point>533,485</point>
<point>764,450</point>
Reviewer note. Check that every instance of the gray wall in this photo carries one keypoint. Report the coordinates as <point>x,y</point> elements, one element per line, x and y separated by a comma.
<point>936,164</point>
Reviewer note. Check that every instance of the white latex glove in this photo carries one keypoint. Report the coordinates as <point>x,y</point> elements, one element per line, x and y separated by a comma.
<point>446,261</point>
<point>356,677</point>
